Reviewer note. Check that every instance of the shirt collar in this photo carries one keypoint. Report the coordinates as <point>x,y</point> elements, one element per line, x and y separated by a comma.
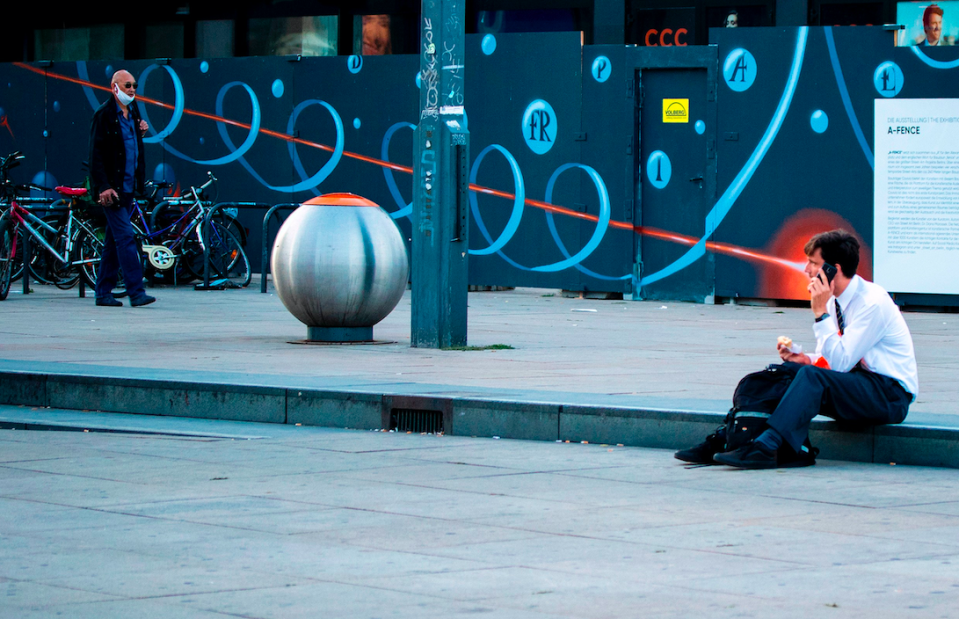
<point>851,290</point>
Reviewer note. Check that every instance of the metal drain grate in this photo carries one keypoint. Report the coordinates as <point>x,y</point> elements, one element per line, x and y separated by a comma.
<point>416,420</point>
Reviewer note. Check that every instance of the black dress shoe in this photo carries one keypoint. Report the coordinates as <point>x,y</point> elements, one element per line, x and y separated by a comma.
<point>140,301</point>
<point>704,452</point>
<point>752,455</point>
<point>108,302</point>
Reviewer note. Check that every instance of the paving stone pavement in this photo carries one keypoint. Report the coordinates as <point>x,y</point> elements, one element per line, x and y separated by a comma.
<point>215,518</point>
<point>663,354</point>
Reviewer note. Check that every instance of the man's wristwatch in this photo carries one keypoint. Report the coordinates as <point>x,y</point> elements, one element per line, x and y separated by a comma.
<point>822,317</point>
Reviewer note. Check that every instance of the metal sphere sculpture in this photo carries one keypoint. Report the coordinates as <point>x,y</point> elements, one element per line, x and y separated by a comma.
<point>339,266</point>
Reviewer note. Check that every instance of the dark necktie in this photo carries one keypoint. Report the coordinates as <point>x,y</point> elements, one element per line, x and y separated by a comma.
<point>839,318</point>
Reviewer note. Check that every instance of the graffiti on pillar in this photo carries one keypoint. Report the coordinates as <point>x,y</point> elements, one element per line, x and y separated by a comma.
<point>430,77</point>
<point>427,180</point>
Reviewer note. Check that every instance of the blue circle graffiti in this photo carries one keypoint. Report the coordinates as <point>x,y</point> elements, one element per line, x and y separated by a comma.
<point>108,70</point>
<point>739,70</point>
<point>354,64</point>
<point>164,173</point>
<point>45,179</point>
<point>277,88</point>
<point>419,80</point>
<point>204,66</point>
<point>356,123</point>
<point>659,169</point>
<point>888,79</point>
<point>56,106</point>
<point>700,127</point>
<point>539,126</point>
<point>602,68</point>
<point>519,194</point>
<point>819,121</point>
<point>489,44</point>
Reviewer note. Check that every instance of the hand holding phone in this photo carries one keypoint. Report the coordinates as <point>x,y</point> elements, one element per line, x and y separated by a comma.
<point>829,271</point>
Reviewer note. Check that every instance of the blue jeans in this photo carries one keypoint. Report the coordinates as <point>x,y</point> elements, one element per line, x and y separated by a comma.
<point>120,251</point>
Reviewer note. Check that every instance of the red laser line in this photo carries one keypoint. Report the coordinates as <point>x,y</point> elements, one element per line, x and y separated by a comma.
<point>722,248</point>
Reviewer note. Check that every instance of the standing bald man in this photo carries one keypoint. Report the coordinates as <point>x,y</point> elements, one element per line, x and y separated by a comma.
<point>117,170</point>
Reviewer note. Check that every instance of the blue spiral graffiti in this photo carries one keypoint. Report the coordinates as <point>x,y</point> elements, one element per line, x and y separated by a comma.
<point>406,208</point>
<point>307,183</point>
<point>935,64</point>
<point>179,102</point>
<point>519,198</point>
<point>601,226</point>
<point>844,95</point>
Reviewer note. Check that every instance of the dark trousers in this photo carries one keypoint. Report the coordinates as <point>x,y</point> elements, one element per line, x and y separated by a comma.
<point>857,396</point>
<point>120,251</point>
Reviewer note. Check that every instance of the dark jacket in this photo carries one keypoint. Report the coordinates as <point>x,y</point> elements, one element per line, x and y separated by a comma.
<point>107,154</point>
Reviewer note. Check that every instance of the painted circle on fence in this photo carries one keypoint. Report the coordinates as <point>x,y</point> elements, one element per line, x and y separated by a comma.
<point>204,66</point>
<point>700,127</point>
<point>56,106</point>
<point>277,88</point>
<point>356,123</point>
<point>489,44</point>
<point>602,68</point>
<point>739,70</point>
<point>419,80</point>
<point>539,126</point>
<point>819,121</point>
<point>354,64</point>
<point>658,169</point>
<point>888,79</point>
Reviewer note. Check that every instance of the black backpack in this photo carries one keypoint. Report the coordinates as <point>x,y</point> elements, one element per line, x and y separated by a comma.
<point>756,397</point>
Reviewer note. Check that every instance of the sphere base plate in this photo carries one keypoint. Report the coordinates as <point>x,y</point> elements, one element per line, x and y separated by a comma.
<point>339,334</point>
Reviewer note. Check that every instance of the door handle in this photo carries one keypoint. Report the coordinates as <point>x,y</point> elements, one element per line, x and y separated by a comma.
<point>697,179</point>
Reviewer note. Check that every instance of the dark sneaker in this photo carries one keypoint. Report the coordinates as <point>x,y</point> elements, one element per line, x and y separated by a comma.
<point>806,456</point>
<point>704,452</point>
<point>752,455</point>
<point>140,301</point>
<point>108,302</point>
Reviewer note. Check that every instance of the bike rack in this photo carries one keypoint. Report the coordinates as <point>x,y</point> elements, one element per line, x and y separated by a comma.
<point>265,260</point>
<point>206,228</point>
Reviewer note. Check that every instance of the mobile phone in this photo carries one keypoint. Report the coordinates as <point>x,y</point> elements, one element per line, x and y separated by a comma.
<point>830,271</point>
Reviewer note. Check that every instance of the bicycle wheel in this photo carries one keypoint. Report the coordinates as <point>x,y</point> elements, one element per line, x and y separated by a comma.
<point>227,258</point>
<point>65,275</point>
<point>6,257</point>
<point>87,250</point>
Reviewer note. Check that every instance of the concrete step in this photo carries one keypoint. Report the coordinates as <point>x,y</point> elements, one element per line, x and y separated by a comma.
<point>924,439</point>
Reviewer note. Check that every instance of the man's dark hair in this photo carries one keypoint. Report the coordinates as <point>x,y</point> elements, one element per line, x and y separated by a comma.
<point>928,13</point>
<point>836,247</point>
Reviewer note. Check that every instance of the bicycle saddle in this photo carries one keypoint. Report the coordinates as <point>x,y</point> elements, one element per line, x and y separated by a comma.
<point>73,192</point>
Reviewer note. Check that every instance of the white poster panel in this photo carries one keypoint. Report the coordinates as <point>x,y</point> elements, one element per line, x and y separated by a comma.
<point>917,195</point>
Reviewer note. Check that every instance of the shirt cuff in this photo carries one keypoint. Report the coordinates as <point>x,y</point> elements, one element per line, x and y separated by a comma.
<point>824,327</point>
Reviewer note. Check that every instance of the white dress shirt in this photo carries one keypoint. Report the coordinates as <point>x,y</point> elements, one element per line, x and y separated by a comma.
<point>874,332</point>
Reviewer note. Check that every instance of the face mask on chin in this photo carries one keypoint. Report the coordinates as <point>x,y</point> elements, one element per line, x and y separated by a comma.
<point>123,97</point>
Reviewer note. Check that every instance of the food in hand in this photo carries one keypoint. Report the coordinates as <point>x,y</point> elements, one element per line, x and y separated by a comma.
<point>787,343</point>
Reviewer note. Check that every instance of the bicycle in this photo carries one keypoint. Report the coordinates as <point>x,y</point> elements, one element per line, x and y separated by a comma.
<point>177,239</point>
<point>70,247</point>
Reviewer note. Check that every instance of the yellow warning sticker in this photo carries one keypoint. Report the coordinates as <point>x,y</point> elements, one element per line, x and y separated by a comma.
<point>675,110</point>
